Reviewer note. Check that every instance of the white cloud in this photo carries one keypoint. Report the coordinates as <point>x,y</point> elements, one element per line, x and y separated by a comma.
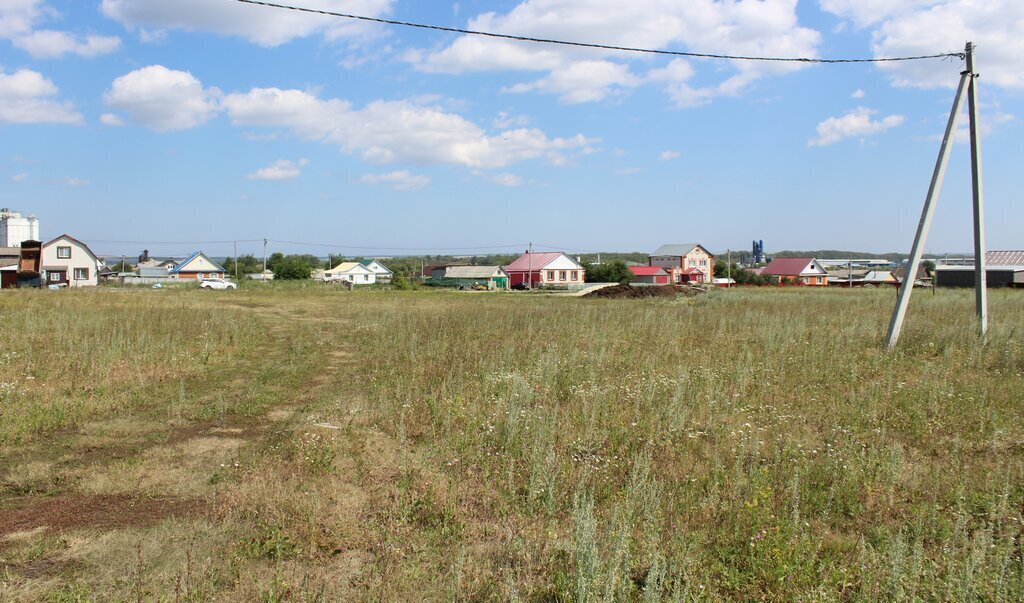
<point>72,181</point>
<point>400,181</point>
<point>19,20</point>
<point>262,25</point>
<point>162,98</point>
<point>507,180</point>
<point>54,44</point>
<point>856,123</point>
<point>858,93</point>
<point>669,155</point>
<point>916,27</point>
<point>19,177</point>
<point>751,27</point>
<point>109,119</point>
<point>583,81</point>
<point>26,97</point>
<point>394,131</point>
<point>869,12</point>
<point>282,169</point>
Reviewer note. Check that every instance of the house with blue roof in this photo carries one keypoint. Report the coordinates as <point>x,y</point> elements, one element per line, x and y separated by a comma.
<point>197,267</point>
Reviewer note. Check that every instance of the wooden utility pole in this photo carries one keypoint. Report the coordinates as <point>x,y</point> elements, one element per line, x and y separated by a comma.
<point>968,83</point>
<point>236,260</point>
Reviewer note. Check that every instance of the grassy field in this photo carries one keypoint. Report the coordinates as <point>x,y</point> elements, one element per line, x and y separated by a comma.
<point>301,444</point>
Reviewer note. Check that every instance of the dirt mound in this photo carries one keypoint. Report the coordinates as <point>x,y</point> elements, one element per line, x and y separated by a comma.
<point>630,292</point>
<point>101,511</point>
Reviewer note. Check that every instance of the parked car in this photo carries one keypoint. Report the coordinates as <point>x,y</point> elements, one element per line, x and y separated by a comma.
<point>216,283</point>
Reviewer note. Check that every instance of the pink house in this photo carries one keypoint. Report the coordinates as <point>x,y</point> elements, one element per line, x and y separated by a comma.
<point>546,269</point>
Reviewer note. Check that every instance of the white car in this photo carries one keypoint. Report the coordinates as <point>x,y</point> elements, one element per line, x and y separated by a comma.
<point>216,283</point>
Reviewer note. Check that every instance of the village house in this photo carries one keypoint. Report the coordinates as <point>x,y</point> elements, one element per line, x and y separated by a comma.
<point>546,269</point>
<point>649,275</point>
<point>68,262</point>
<point>349,272</point>
<point>684,262</point>
<point>380,271</point>
<point>797,271</point>
<point>196,267</point>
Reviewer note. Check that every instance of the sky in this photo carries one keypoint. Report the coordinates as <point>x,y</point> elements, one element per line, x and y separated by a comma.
<point>187,125</point>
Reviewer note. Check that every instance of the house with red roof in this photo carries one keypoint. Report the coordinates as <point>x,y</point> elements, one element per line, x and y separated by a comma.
<point>797,271</point>
<point>649,275</point>
<point>546,269</point>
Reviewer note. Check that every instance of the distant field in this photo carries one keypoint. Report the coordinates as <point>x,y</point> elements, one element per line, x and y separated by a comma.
<point>302,444</point>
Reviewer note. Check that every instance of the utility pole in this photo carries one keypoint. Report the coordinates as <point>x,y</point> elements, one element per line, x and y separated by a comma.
<point>236,260</point>
<point>980,278</point>
<point>849,273</point>
<point>264,260</point>
<point>728,267</point>
<point>903,297</point>
<point>529,261</point>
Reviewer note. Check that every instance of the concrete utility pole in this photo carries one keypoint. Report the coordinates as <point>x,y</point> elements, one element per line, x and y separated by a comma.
<point>236,259</point>
<point>980,278</point>
<point>968,80</point>
<point>264,260</point>
<point>728,268</point>
<point>529,260</point>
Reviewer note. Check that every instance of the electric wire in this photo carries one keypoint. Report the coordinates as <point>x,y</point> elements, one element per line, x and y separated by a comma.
<point>680,53</point>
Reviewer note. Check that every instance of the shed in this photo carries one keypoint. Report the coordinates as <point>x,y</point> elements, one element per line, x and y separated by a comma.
<point>649,275</point>
<point>492,277</point>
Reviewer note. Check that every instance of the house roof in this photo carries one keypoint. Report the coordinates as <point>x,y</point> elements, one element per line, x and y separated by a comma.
<point>787,266</point>
<point>472,271</point>
<point>647,271</point>
<point>1004,258</point>
<point>73,239</point>
<point>675,249</point>
<point>380,268</point>
<point>691,270</point>
<point>185,262</point>
<point>879,276</point>
<point>350,267</point>
<point>537,261</point>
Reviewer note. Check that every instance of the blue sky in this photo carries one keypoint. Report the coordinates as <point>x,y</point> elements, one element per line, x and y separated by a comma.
<point>195,121</point>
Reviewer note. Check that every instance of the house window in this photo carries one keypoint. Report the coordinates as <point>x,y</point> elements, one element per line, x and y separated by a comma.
<point>54,276</point>
<point>703,262</point>
<point>561,275</point>
<point>551,275</point>
<point>63,252</point>
<point>817,280</point>
<point>81,274</point>
<point>575,275</point>
<point>806,280</point>
<point>693,263</point>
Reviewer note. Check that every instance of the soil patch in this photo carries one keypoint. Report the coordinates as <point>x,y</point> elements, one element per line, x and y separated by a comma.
<point>104,511</point>
<point>630,292</point>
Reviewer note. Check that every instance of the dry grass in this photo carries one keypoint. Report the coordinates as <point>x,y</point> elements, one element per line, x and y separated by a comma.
<point>752,445</point>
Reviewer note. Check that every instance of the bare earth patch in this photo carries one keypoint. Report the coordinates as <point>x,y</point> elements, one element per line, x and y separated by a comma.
<point>104,511</point>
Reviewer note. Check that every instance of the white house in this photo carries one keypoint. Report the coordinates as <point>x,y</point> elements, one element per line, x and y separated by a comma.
<point>383,273</point>
<point>350,272</point>
<point>68,262</point>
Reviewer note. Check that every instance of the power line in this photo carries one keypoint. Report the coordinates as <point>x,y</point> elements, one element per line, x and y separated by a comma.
<point>678,53</point>
<point>368,248</point>
<point>172,242</point>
